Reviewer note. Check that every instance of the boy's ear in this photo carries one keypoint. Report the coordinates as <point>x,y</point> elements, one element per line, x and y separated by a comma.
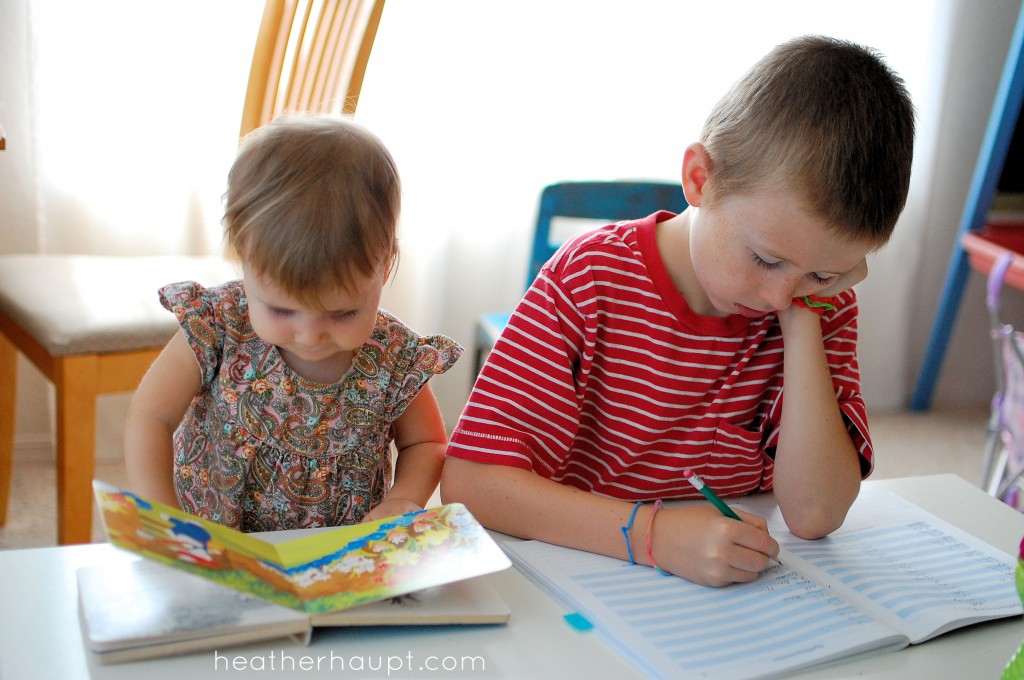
<point>696,167</point>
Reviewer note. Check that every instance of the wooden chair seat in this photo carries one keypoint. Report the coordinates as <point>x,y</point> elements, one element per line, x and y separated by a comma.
<point>92,325</point>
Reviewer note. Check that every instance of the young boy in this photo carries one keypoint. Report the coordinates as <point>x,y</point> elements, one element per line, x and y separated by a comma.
<point>690,341</point>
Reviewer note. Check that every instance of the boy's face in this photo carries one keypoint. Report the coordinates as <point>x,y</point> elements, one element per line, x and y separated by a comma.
<point>753,253</point>
<point>313,340</point>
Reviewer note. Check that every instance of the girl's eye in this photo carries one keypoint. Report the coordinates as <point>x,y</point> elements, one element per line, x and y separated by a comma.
<point>342,316</point>
<point>277,311</point>
<point>761,262</point>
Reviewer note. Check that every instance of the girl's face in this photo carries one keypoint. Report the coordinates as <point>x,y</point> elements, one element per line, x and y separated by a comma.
<point>316,343</point>
<point>753,253</point>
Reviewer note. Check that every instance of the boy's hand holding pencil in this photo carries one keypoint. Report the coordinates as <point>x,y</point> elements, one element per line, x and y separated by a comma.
<point>706,545</point>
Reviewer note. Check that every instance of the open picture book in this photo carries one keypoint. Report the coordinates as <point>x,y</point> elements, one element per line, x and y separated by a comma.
<point>891,576</point>
<point>206,586</point>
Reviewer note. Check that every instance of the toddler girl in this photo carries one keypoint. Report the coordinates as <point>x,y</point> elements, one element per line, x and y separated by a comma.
<point>276,404</point>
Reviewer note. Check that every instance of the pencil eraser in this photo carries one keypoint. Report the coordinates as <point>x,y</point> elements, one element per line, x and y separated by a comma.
<point>687,473</point>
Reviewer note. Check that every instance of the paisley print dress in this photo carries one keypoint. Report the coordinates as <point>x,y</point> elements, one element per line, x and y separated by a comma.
<point>260,448</point>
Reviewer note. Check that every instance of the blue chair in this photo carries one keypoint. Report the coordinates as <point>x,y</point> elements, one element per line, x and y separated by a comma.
<point>606,202</point>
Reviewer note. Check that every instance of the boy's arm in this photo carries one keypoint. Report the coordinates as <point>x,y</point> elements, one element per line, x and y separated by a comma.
<point>156,410</point>
<point>420,438</point>
<point>697,543</point>
<point>817,468</point>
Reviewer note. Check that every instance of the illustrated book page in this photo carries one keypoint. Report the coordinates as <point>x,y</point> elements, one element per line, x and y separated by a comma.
<point>144,609</point>
<point>316,574</point>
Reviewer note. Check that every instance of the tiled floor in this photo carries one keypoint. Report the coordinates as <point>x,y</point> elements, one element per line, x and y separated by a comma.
<point>905,443</point>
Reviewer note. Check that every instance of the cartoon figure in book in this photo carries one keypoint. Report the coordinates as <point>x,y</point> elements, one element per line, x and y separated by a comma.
<point>193,542</point>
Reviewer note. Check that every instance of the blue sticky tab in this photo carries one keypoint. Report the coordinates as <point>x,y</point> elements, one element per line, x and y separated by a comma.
<point>578,621</point>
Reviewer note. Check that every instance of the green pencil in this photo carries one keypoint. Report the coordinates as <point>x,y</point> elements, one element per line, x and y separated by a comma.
<point>706,491</point>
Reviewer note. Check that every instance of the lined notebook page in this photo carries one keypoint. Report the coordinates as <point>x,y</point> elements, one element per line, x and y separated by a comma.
<point>917,572</point>
<point>669,626</point>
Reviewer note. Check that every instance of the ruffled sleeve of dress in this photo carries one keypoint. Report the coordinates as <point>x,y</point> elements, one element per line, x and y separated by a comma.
<point>201,313</point>
<point>410,359</point>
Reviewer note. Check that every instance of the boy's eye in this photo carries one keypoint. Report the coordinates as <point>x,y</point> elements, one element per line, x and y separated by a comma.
<point>761,262</point>
<point>820,279</point>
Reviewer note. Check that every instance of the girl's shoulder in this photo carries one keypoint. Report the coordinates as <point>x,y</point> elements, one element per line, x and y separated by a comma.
<point>190,298</point>
<point>404,347</point>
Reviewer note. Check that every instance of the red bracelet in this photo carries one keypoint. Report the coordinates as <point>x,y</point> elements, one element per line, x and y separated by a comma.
<point>650,525</point>
<point>818,305</point>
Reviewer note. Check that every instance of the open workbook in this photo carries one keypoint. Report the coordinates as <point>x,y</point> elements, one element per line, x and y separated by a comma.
<point>892,576</point>
<point>206,586</point>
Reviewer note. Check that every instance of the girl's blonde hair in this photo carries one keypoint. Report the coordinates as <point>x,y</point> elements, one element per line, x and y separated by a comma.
<point>312,203</point>
<point>826,118</point>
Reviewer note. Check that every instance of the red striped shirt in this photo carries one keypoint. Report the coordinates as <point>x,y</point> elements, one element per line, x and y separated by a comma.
<point>604,379</point>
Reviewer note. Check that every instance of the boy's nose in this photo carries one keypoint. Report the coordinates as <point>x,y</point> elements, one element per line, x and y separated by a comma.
<point>781,296</point>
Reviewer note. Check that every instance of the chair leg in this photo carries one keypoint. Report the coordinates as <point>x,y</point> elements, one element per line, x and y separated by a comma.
<point>8,396</point>
<point>75,380</point>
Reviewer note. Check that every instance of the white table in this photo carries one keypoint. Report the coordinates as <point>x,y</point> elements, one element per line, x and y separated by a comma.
<point>40,635</point>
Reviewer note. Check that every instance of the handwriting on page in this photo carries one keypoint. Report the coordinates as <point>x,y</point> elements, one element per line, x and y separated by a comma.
<point>912,568</point>
<point>705,627</point>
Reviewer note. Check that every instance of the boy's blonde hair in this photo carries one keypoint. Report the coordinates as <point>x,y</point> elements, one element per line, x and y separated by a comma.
<point>823,117</point>
<point>312,203</point>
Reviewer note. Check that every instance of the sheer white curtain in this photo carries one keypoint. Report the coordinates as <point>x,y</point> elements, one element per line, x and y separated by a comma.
<point>122,119</point>
<point>137,108</point>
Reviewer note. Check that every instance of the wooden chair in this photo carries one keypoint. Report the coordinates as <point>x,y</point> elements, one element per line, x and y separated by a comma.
<point>310,55</point>
<point>92,325</point>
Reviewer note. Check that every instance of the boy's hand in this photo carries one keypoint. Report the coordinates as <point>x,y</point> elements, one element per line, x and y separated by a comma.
<point>847,280</point>
<point>702,546</point>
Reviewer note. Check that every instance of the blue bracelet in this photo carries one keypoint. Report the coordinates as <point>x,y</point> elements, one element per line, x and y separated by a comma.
<point>625,531</point>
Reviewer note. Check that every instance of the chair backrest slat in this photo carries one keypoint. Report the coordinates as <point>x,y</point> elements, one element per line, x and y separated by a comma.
<point>310,55</point>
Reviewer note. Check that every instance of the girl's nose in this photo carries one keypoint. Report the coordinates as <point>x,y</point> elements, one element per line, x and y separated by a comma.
<point>309,332</point>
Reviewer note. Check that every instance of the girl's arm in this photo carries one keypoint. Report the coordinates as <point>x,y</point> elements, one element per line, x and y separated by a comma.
<point>421,439</point>
<point>697,543</point>
<point>156,410</point>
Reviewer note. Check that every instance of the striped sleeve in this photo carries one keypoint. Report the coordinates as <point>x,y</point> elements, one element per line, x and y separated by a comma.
<point>524,410</point>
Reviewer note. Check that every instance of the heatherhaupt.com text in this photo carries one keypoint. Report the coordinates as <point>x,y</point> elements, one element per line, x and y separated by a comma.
<point>282,661</point>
